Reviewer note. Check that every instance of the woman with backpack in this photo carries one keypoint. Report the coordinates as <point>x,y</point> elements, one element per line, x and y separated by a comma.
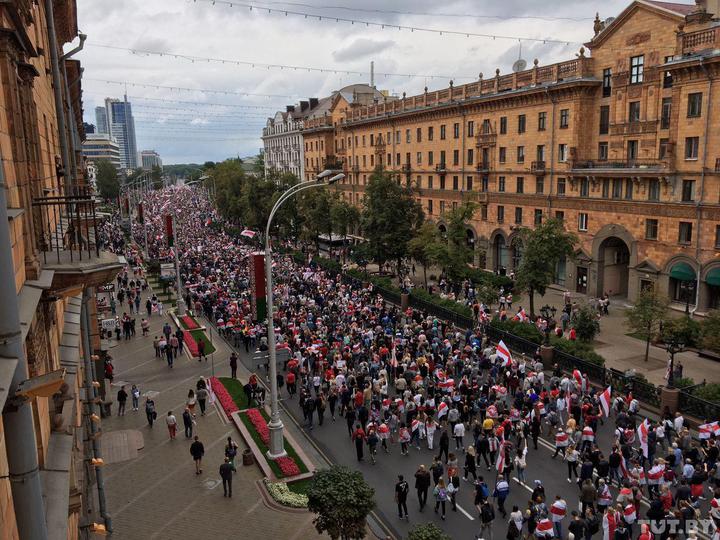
<point>231,452</point>
<point>441,496</point>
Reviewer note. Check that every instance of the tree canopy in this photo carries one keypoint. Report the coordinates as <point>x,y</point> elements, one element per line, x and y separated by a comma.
<point>108,183</point>
<point>646,316</point>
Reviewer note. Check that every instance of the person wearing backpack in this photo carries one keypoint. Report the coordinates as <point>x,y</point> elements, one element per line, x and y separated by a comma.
<point>487,516</point>
<point>401,493</point>
<point>441,496</point>
<point>150,411</point>
<point>231,452</point>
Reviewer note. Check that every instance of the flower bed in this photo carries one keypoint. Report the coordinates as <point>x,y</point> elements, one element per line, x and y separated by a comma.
<point>223,396</point>
<point>281,494</point>
<point>199,335</point>
<point>259,424</point>
<point>190,343</point>
<point>288,466</point>
<point>188,322</point>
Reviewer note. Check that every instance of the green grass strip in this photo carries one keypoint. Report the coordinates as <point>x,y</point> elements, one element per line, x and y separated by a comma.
<point>199,335</point>
<point>236,391</point>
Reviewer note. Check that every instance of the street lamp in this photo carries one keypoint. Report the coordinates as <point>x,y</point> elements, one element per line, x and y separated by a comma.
<point>548,313</point>
<point>277,448</point>
<point>673,346</point>
<point>687,288</point>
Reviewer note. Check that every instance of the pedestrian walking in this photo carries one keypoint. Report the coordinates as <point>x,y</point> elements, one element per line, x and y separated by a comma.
<point>233,366</point>
<point>359,437</point>
<point>150,412</point>
<point>226,473</point>
<point>444,444</point>
<point>171,422</point>
<point>197,451</point>
<point>122,396</point>
<point>487,516</point>
<point>187,423</point>
<point>401,492</point>
<point>202,395</point>
<point>422,485</point>
<point>201,350</point>
<point>135,395</point>
<point>231,449</point>
<point>502,489</point>
<point>441,496</point>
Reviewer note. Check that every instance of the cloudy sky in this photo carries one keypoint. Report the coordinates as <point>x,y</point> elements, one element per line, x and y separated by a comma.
<point>196,125</point>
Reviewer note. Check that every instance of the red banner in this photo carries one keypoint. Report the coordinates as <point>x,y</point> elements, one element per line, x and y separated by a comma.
<point>141,216</point>
<point>169,233</point>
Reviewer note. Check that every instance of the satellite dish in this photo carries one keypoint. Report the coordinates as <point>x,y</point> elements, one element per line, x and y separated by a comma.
<point>609,21</point>
<point>519,65</point>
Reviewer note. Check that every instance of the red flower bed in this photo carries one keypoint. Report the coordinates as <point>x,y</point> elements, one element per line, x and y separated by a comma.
<point>288,466</point>
<point>189,322</point>
<point>190,343</point>
<point>222,395</point>
<point>259,424</point>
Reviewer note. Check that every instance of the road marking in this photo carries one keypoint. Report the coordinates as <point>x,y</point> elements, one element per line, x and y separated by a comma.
<point>462,510</point>
<point>523,484</point>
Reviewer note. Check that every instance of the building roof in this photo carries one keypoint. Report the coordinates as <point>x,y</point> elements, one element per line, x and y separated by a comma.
<point>680,9</point>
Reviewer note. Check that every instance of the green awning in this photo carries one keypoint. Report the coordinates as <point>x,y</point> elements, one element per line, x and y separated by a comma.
<point>682,272</point>
<point>713,277</point>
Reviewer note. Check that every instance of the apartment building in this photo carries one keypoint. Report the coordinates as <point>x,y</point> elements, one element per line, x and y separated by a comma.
<point>50,262</point>
<point>620,142</point>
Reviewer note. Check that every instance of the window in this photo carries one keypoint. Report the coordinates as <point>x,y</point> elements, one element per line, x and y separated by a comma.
<point>606,82</point>
<point>521,154</point>
<point>442,159</point>
<point>560,215</point>
<point>634,111</point>
<point>604,119</point>
<point>667,76</point>
<point>632,150</point>
<point>561,186</point>
<point>469,183</point>
<point>430,206</point>
<point>389,159</point>
<point>502,154</point>
<point>470,128</point>
<point>665,113</point>
<point>637,64</point>
<point>456,157</point>
<point>628,189</point>
<point>564,118</point>
<point>372,160</point>
<point>456,183</point>
<point>542,119</point>
<point>486,129</point>
<point>688,190</point>
<point>562,152</point>
<point>521,123</point>
<point>717,236</point>
<point>456,130</point>
<point>606,188</point>
<point>397,137</point>
<point>501,184</point>
<point>520,184</point>
<point>617,188</point>
<point>442,132</point>
<point>602,151</point>
<point>419,158</point>
<point>483,212</point>
<point>407,135</point>
<point>540,185</point>
<point>537,217</point>
<point>442,181</point>
<point>691,147</point>
<point>651,229</point>
<point>418,135</point>
<point>694,105</point>
<point>685,232</point>
<point>407,158</point>
<point>518,215</point>
<point>431,133</point>
<point>501,214</point>
<point>540,152</point>
<point>470,156</point>
<point>430,181</point>
<point>653,189</point>
<point>584,187</point>
<point>372,139</point>
<point>503,125</point>
<point>663,148</point>
<point>431,158</point>
<point>484,186</point>
<point>442,207</point>
<point>397,159</point>
<point>582,221</point>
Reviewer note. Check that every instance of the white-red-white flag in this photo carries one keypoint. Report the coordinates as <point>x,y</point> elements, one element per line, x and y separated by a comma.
<point>503,352</point>
<point>605,402</point>
<point>642,432</point>
<point>248,233</point>
<point>500,462</point>
<point>442,410</point>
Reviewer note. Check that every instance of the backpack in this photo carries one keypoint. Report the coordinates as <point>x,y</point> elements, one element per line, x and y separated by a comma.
<point>487,513</point>
<point>442,494</point>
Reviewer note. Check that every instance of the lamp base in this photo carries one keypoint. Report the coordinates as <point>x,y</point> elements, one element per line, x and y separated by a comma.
<point>277,441</point>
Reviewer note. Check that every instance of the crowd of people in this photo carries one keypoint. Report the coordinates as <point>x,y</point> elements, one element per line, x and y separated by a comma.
<point>404,379</point>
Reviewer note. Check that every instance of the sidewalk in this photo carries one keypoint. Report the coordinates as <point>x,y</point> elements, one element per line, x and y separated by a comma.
<point>155,494</point>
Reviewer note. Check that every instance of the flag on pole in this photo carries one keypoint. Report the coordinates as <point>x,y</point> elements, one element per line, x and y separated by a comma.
<point>605,400</point>
<point>503,352</point>
<point>442,410</point>
<point>642,432</point>
<point>248,233</point>
<point>500,463</point>
<point>169,231</point>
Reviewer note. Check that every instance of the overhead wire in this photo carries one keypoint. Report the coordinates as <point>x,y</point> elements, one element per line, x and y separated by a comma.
<point>185,89</point>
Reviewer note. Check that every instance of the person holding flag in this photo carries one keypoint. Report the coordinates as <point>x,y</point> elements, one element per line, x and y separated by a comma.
<point>558,510</point>
<point>605,401</point>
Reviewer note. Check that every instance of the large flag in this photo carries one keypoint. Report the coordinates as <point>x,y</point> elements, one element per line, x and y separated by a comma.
<point>558,510</point>
<point>642,432</point>
<point>545,528</point>
<point>500,463</point>
<point>578,379</point>
<point>605,400</point>
<point>608,526</point>
<point>169,232</point>
<point>248,233</point>
<point>442,410</point>
<point>504,353</point>
<point>705,430</point>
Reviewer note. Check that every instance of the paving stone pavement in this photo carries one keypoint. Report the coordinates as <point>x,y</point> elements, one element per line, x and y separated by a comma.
<point>157,495</point>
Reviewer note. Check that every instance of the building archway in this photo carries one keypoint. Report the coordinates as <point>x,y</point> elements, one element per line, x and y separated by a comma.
<point>500,254</point>
<point>613,267</point>
<point>711,286</point>
<point>682,272</point>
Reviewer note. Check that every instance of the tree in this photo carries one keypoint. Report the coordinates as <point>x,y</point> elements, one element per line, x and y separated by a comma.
<point>229,180</point>
<point>543,247</point>
<point>342,501</point>
<point>156,177</point>
<point>345,217</point>
<point>710,332</point>
<point>391,216</point>
<point>428,531</point>
<point>646,316</point>
<point>426,247</point>
<point>586,324</point>
<point>315,205</point>
<point>108,183</point>
<point>459,254</point>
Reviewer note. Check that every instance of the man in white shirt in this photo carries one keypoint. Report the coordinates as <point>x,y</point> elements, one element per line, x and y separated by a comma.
<point>459,433</point>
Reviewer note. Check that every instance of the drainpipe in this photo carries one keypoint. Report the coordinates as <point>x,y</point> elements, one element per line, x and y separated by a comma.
<point>75,138</point>
<point>698,204</point>
<point>24,472</point>
<point>90,395</point>
<point>58,90</point>
<point>553,100</point>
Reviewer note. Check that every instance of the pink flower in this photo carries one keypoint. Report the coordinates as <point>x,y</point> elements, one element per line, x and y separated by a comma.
<point>190,343</point>
<point>288,466</point>
<point>260,425</point>
<point>222,395</point>
<point>189,322</point>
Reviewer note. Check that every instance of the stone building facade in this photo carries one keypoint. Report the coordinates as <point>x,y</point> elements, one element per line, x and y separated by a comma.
<point>620,142</point>
<point>46,476</point>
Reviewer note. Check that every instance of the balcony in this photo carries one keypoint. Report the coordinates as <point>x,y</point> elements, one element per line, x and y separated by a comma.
<point>441,168</point>
<point>488,138</point>
<point>701,40</point>
<point>406,168</point>
<point>483,166</point>
<point>341,151</point>
<point>630,167</point>
<point>480,197</point>
<point>717,164</point>
<point>66,231</point>
<point>538,168</point>
<point>634,128</point>
<point>379,147</point>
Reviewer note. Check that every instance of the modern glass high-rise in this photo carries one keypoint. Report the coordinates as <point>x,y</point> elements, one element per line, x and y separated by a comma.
<point>122,129</point>
<point>101,123</point>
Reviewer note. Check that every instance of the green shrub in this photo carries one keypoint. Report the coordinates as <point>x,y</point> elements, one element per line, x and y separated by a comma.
<point>710,331</point>
<point>427,531</point>
<point>709,392</point>
<point>579,349</point>
<point>683,330</point>
<point>329,265</point>
<point>446,303</point>
<point>479,276</point>
<point>526,331</point>
<point>683,382</point>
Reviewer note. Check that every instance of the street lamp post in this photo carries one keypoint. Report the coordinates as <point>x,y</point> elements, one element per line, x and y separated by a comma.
<point>275,425</point>
<point>180,301</point>
<point>673,347</point>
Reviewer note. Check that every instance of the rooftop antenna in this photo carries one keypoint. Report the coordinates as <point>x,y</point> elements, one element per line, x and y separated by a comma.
<point>372,73</point>
<point>520,63</point>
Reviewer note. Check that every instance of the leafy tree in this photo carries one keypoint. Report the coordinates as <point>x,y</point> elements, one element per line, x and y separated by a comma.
<point>156,177</point>
<point>229,181</point>
<point>681,330</point>
<point>710,331</point>
<point>586,324</point>
<point>543,247</point>
<point>390,218</point>
<point>108,183</point>
<point>342,501</point>
<point>426,247</point>
<point>315,205</point>
<point>459,254</point>
<point>427,531</point>
<point>345,216</point>
<point>646,316</point>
